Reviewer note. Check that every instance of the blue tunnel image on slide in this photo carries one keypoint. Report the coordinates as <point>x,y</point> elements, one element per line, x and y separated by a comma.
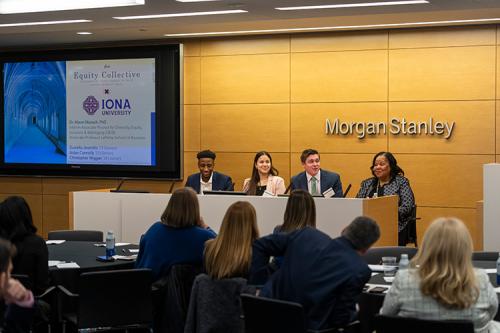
<point>35,112</point>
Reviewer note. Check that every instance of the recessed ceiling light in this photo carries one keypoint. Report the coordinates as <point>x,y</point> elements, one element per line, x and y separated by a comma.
<point>84,33</point>
<point>351,5</point>
<point>340,27</point>
<point>32,6</point>
<point>217,12</point>
<point>22,24</point>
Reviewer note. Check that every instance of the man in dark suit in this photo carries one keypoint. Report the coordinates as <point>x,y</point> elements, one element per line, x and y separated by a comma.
<point>314,179</point>
<point>208,179</point>
<point>325,275</point>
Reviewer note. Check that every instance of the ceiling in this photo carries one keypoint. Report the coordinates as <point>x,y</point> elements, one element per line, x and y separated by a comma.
<point>261,16</point>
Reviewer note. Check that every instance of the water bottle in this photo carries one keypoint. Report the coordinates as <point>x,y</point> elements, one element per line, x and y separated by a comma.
<point>498,271</point>
<point>110,244</point>
<point>404,262</point>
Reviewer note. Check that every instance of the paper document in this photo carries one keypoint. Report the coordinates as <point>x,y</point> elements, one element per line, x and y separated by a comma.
<point>376,268</point>
<point>133,250</point>
<point>54,241</point>
<point>55,262</point>
<point>121,244</point>
<point>68,265</point>
<point>132,257</point>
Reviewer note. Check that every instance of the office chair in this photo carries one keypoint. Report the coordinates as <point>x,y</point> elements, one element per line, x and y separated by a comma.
<point>267,315</point>
<point>112,299</point>
<point>77,235</point>
<point>394,324</point>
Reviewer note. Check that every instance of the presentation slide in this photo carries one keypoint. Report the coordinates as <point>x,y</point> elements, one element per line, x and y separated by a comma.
<point>99,112</point>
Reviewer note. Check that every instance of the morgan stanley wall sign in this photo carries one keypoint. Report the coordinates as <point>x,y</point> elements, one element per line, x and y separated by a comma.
<point>395,126</point>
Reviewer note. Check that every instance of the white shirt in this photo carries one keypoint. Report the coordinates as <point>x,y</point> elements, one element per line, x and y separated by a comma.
<point>318,182</point>
<point>206,186</point>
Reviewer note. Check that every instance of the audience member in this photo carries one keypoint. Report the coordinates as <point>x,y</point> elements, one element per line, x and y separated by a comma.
<point>179,238</point>
<point>325,275</point>
<point>215,298</point>
<point>441,283</point>
<point>264,177</point>
<point>316,180</point>
<point>19,301</point>
<point>388,179</point>
<point>16,225</point>
<point>208,179</point>
<point>300,212</point>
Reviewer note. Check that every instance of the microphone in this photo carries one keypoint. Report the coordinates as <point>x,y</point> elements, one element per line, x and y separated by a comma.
<point>171,187</point>
<point>117,189</point>
<point>347,190</point>
<point>288,188</point>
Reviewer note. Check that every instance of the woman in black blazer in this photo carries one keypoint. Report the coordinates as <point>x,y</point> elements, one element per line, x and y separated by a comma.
<point>388,179</point>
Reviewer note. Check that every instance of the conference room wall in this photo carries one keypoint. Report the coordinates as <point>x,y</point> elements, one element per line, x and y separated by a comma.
<point>244,94</point>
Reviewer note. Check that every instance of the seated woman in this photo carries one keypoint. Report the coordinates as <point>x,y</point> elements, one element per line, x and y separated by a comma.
<point>300,212</point>
<point>179,238</point>
<point>215,298</point>
<point>16,225</point>
<point>264,177</point>
<point>441,282</point>
<point>388,179</point>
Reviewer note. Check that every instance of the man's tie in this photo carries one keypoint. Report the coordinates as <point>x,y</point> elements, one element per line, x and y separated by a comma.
<point>314,188</point>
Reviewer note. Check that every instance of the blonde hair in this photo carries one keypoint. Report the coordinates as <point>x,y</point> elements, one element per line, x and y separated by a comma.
<point>445,264</point>
<point>230,253</point>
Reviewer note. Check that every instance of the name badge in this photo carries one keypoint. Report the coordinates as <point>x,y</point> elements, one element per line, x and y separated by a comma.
<point>267,194</point>
<point>329,193</point>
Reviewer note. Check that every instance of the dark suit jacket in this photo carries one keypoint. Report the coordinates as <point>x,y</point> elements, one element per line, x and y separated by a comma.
<point>328,180</point>
<point>325,275</point>
<point>220,182</point>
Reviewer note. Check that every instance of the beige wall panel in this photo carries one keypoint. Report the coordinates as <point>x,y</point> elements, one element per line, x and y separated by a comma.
<point>352,168</point>
<point>471,134</point>
<point>429,214</point>
<point>245,45</point>
<point>457,73</point>
<point>445,180</point>
<point>245,127</point>
<point>192,47</point>
<point>339,41</point>
<point>245,79</point>
<point>191,164</point>
<point>63,186</point>
<point>55,213</point>
<point>339,76</point>
<point>20,185</point>
<point>192,127</point>
<point>442,37</point>
<point>239,166</point>
<point>308,127</point>
<point>192,85</point>
<point>153,186</point>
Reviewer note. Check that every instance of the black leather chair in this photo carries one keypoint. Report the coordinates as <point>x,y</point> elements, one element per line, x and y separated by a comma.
<point>374,255</point>
<point>77,235</point>
<point>411,227</point>
<point>112,299</point>
<point>171,295</point>
<point>266,315</point>
<point>394,324</point>
<point>485,256</point>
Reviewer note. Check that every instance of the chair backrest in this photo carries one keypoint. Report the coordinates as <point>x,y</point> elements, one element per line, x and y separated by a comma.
<point>412,226</point>
<point>175,292</point>
<point>77,235</point>
<point>393,324</point>
<point>374,255</point>
<point>485,256</point>
<point>115,298</point>
<point>264,315</point>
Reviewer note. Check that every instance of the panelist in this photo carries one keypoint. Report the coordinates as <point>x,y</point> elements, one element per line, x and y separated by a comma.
<point>208,179</point>
<point>388,179</point>
<point>316,180</point>
<point>264,177</point>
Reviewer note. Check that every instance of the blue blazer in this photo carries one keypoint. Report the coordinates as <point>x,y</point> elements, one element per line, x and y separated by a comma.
<point>220,182</point>
<point>328,180</point>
